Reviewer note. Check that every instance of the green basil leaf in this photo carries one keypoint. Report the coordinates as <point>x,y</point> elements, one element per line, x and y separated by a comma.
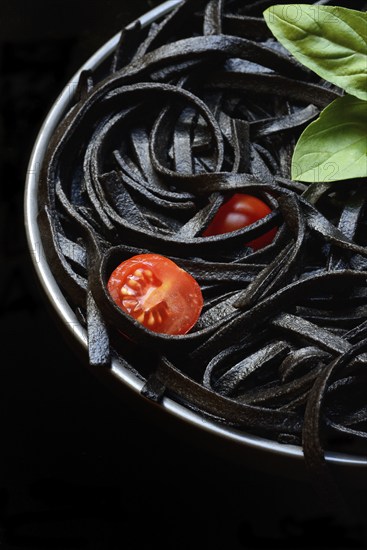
<point>333,147</point>
<point>329,40</point>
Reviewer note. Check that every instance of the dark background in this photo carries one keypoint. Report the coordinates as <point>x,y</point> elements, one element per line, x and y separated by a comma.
<point>80,466</point>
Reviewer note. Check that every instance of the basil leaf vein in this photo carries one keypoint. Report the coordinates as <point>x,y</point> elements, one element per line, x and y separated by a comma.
<point>329,40</point>
<point>333,147</point>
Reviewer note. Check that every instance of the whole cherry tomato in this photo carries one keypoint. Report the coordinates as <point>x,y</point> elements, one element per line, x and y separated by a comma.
<point>157,293</point>
<point>240,211</point>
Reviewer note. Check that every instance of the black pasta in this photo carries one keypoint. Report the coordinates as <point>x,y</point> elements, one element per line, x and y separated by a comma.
<point>202,104</point>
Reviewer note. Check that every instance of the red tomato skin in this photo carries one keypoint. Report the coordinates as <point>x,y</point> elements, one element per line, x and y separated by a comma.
<point>157,292</point>
<point>240,211</point>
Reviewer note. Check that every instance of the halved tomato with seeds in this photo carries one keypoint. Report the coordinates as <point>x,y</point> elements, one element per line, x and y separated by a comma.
<point>157,292</point>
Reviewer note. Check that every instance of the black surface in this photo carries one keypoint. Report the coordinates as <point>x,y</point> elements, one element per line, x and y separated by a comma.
<point>81,468</point>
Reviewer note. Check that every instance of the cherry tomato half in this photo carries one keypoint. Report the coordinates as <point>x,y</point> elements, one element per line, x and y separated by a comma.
<point>240,211</point>
<point>157,293</point>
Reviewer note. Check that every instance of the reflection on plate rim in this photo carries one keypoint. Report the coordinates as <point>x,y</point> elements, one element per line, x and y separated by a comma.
<point>68,317</point>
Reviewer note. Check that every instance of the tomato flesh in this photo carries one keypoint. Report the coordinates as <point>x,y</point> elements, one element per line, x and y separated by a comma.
<point>156,292</point>
<point>240,211</point>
